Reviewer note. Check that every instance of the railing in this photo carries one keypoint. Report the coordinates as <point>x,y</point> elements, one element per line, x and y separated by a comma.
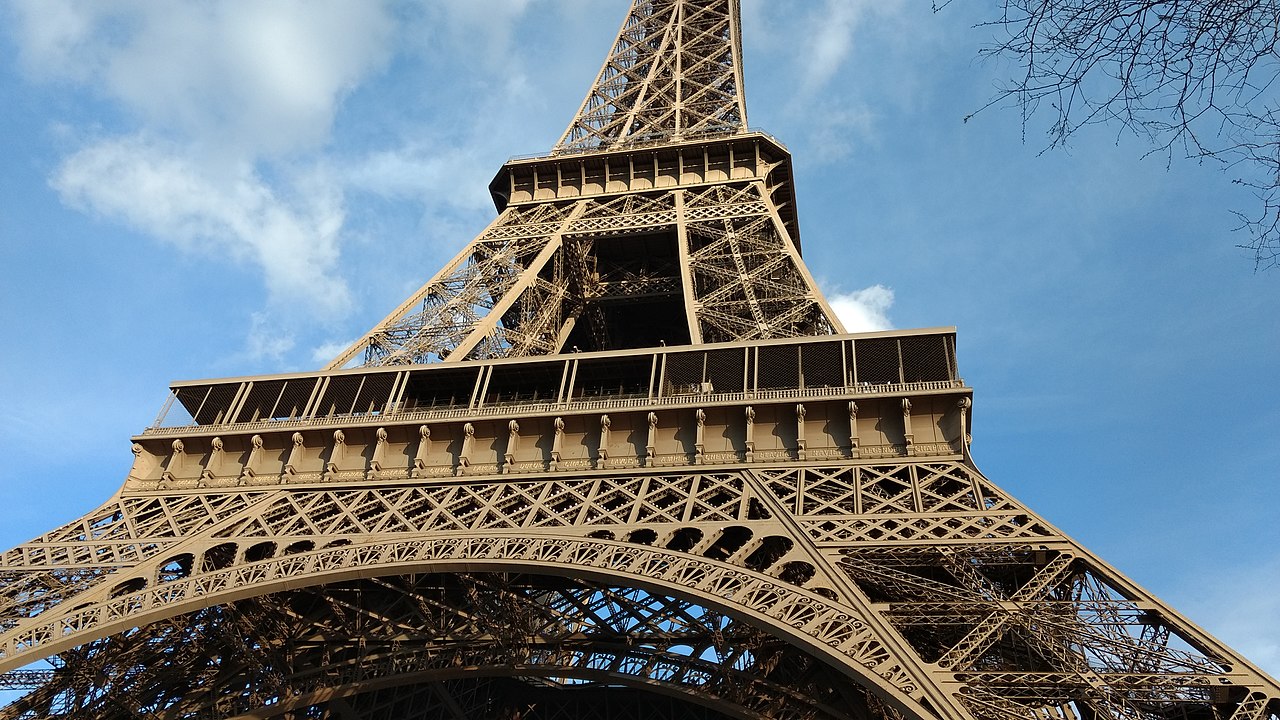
<point>512,409</point>
<point>640,144</point>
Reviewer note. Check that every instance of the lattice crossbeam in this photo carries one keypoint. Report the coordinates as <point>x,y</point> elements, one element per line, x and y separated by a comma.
<point>675,71</point>
<point>1085,642</point>
<point>722,556</point>
<point>516,289</point>
<point>251,655</point>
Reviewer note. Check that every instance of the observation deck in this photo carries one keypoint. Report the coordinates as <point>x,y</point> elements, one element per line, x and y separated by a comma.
<point>852,396</point>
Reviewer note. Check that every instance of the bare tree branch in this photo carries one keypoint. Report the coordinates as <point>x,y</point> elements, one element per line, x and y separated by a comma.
<point>1196,78</point>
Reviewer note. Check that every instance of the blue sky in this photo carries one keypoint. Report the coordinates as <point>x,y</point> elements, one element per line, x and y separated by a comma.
<point>206,189</point>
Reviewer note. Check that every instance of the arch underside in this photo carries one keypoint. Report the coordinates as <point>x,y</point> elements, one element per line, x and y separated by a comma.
<point>1008,617</point>
<point>448,645</point>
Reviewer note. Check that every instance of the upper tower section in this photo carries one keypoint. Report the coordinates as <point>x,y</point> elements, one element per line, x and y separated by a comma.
<point>674,73</point>
<point>657,220</point>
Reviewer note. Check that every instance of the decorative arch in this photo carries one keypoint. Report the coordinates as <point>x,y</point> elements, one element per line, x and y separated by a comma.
<point>806,621</point>
<point>300,650</point>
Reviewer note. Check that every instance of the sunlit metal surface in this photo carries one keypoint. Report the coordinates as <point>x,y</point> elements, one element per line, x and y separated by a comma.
<point>616,459</point>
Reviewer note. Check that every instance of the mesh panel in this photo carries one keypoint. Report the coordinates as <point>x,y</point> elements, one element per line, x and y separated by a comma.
<point>725,370</point>
<point>176,414</point>
<point>192,398</point>
<point>683,373</point>
<point>218,404</point>
<point>877,360</point>
<point>339,396</point>
<point>375,393</point>
<point>613,377</point>
<point>261,399</point>
<point>525,383</point>
<point>779,367</point>
<point>294,400</point>
<point>822,365</point>
<point>924,358</point>
<point>440,387</point>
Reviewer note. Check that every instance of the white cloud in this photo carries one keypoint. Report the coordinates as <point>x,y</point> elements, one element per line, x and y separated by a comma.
<point>52,33</point>
<point>864,310</point>
<point>422,171</point>
<point>325,353</point>
<point>159,189</point>
<point>832,35</point>
<point>831,98</point>
<point>266,342</point>
<point>227,110</point>
<point>489,21</point>
<point>839,126</point>
<point>831,42</point>
<point>224,144</point>
<point>252,76</point>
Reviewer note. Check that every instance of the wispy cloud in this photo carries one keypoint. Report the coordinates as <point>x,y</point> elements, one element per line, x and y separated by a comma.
<point>266,341</point>
<point>326,352</point>
<point>225,106</point>
<point>833,32</point>
<point>838,114</point>
<point>839,127</point>
<point>257,78</point>
<point>415,170</point>
<point>489,22</point>
<point>865,310</point>
<point>832,40</point>
<point>289,228</point>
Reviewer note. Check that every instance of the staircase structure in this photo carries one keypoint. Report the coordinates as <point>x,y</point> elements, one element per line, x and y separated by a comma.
<point>617,459</point>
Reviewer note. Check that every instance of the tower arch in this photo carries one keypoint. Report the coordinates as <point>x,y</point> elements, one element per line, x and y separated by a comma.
<point>793,622</point>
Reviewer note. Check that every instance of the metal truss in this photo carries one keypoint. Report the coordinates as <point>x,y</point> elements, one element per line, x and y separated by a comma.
<point>524,284</point>
<point>340,643</point>
<point>543,268</point>
<point>440,320</point>
<point>733,591</point>
<point>764,528</point>
<point>748,280</point>
<point>675,71</point>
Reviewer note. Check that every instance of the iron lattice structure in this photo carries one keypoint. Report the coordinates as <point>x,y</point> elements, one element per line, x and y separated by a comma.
<point>720,506</point>
<point>675,72</point>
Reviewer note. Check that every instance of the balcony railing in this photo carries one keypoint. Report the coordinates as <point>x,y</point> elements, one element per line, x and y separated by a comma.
<point>641,143</point>
<point>524,408</point>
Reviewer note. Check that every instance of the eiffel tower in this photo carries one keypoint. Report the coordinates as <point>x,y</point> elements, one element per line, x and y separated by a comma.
<point>617,459</point>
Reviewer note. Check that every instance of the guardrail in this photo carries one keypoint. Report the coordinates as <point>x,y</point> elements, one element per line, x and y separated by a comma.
<point>512,409</point>
<point>646,143</point>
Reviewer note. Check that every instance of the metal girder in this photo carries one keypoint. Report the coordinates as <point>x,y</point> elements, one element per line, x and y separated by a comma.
<point>513,289</point>
<point>996,625</point>
<point>303,649</point>
<point>794,545</point>
<point>675,71</point>
<point>445,312</point>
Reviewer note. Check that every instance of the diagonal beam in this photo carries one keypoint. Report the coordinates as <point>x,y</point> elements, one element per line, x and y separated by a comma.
<point>675,69</point>
<point>414,300</point>
<point>1254,707</point>
<point>990,629</point>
